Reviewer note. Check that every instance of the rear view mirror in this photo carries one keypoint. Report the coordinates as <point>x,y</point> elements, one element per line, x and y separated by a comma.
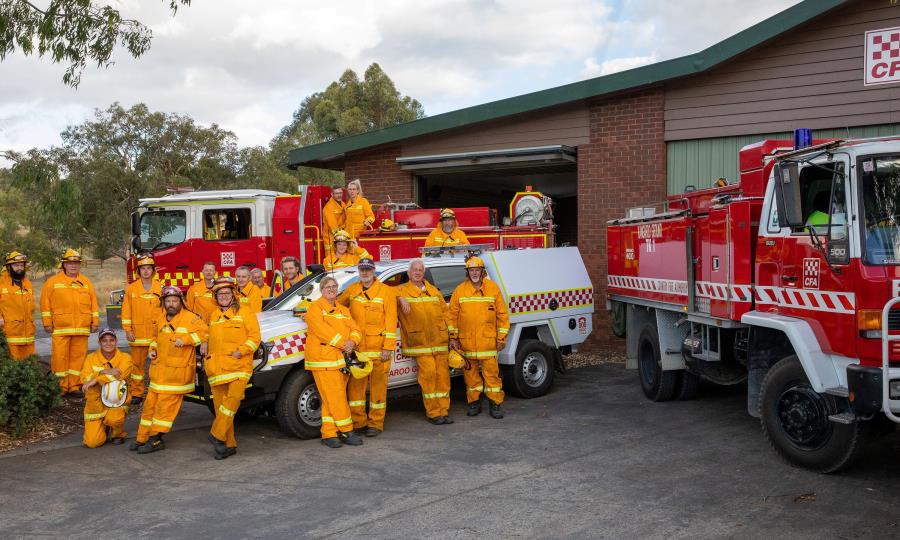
<point>787,194</point>
<point>135,224</point>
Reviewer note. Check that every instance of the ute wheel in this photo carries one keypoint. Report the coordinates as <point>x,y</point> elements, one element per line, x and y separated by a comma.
<point>794,419</point>
<point>657,384</point>
<point>533,373</point>
<point>617,318</point>
<point>298,407</point>
<point>687,387</point>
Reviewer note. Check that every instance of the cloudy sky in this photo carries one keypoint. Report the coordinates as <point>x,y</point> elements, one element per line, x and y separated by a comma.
<point>247,65</point>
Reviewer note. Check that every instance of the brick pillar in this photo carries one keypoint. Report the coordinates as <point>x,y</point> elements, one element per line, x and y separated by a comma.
<point>380,175</point>
<point>623,166</point>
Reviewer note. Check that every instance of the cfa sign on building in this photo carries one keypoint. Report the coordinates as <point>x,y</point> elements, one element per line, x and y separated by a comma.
<point>883,56</point>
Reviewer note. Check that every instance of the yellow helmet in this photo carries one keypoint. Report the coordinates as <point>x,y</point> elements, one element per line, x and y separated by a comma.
<point>448,213</point>
<point>474,262</point>
<point>361,369</point>
<point>70,256</point>
<point>145,260</point>
<point>223,282</point>
<point>387,225</point>
<point>16,257</point>
<point>456,360</point>
<point>341,235</point>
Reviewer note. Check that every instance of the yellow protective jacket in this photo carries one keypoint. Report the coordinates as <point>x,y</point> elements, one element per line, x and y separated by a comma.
<point>141,312</point>
<point>340,261</point>
<point>328,328</point>
<point>478,318</point>
<point>250,298</point>
<point>439,238</point>
<point>231,330</point>
<point>70,305</point>
<point>17,310</point>
<point>200,300</point>
<point>333,218</point>
<point>96,362</point>
<point>375,311</point>
<point>424,330</point>
<point>359,213</point>
<point>173,369</point>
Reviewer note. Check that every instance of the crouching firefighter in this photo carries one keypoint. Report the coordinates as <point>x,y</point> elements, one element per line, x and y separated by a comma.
<point>233,338</point>
<point>173,365</point>
<point>104,377</point>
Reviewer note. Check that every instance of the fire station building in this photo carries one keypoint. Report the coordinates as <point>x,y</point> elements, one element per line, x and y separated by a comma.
<point>603,145</point>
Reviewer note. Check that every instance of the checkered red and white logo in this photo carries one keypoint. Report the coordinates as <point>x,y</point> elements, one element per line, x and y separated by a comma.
<point>287,346</point>
<point>883,56</point>
<point>544,301</point>
<point>811,273</point>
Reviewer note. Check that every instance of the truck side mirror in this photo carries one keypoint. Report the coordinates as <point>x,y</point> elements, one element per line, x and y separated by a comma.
<point>135,224</point>
<point>787,194</point>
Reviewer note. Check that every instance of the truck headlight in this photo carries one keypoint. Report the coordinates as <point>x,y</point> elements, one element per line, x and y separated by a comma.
<point>894,390</point>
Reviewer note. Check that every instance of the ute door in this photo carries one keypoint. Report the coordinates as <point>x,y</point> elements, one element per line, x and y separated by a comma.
<point>228,235</point>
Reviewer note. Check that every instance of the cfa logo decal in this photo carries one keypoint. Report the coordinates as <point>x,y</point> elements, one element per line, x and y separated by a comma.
<point>582,325</point>
<point>883,56</point>
<point>811,273</point>
<point>384,253</point>
<point>227,259</point>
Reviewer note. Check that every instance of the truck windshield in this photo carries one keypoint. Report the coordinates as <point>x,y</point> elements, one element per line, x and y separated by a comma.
<point>881,204</point>
<point>162,229</point>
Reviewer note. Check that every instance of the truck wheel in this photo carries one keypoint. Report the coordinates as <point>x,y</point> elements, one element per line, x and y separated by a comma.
<point>794,419</point>
<point>617,318</point>
<point>657,384</point>
<point>298,407</point>
<point>533,373</point>
<point>687,387</point>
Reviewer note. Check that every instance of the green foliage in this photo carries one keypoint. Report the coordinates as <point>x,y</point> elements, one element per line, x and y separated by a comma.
<point>72,32</point>
<point>28,391</point>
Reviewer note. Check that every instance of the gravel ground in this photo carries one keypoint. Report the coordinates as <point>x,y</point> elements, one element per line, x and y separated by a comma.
<point>594,358</point>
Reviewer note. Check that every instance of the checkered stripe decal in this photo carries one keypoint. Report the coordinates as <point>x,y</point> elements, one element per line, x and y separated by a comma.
<point>287,348</point>
<point>536,302</point>
<point>186,279</point>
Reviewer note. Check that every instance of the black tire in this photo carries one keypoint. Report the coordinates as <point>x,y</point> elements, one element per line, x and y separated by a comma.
<point>687,387</point>
<point>617,318</point>
<point>533,374</point>
<point>298,407</point>
<point>657,384</point>
<point>794,419</point>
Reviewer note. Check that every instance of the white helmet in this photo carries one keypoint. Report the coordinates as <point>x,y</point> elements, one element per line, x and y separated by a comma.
<point>113,394</point>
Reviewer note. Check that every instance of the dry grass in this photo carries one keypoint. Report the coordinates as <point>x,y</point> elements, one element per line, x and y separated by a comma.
<point>106,276</point>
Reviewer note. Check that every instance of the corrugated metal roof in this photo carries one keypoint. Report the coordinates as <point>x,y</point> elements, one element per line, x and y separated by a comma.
<point>644,76</point>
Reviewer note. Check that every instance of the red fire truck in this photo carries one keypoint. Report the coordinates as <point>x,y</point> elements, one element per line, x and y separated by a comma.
<point>785,280</point>
<point>257,228</point>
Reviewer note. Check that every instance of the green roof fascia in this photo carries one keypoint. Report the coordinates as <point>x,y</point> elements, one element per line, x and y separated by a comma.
<point>643,76</point>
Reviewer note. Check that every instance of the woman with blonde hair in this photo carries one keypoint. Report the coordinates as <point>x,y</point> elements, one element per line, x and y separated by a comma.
<point>358,211</point>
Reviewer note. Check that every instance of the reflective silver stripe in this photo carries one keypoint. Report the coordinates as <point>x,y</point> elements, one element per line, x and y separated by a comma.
<point>358,403</point>
<point>377,405</point>
<point>226,412</point>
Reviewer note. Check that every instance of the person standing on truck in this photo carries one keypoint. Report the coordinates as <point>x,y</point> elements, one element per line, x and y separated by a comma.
<point>479,322</point>
<point>141,313</point>
<point>332,334</point>
<point>199,296</point>
<point>233,338</point>
<point>334,217</point>
<point>17,307</point>
<point>70,313</point>
<point>248,294</point>
<point>342,256</point>
<point>358,210</point>
<point>373,306</point>
<point>173,366</point>
<point>108,366</point>
<point>447,233</point>
<point>424,319</point>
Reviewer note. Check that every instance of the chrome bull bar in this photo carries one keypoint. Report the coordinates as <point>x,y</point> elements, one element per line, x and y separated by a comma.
<point>888,405</point>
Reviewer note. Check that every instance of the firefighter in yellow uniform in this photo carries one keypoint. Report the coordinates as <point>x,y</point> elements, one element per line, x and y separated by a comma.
<point>345,253</point>
<point>334,217</point>
<point>17,307</point>
<point>479,323</point>
<point>70,313</point>
<point>290,276</point>
<point>331,333</point>
<point>141,313</point>
<point>373,306</point>
<point>108,366</point>
<point>233,338</point>
<point>173,365</point>
<point>447,233</point>
<point>248,294</point>
<point>358,210</point>
<point>424,318</point>
<point>199,297</point>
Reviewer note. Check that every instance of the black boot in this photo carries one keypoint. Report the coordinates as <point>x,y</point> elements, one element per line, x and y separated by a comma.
<point>350,438</point>
<point>153,445</point>
<point>474,408</point>
<point>135,446</point>
<point>494,409</point>
<point>448,420</point>
<point>437,420</point>
<point>228,453</point>
<point>372,432</point>
<point>218,446</point>
<point>332,442</point>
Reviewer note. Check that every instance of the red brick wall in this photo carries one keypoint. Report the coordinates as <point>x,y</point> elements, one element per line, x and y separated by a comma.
<point>379,174</point>
<point>623,166</point>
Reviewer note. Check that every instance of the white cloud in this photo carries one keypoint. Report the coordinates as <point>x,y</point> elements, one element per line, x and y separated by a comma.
<point>593,69</point>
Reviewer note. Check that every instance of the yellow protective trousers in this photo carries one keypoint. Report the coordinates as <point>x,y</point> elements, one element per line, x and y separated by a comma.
<point>158,414</point>
<point>332,386</point>
<point>356,393</point>
<point>483,376</point>
<point>139,361</point>
<point>67,359</point>
<point>227,399</point>
<point>434,380</point>
<point>21,352</point>
<point>98,417</point>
